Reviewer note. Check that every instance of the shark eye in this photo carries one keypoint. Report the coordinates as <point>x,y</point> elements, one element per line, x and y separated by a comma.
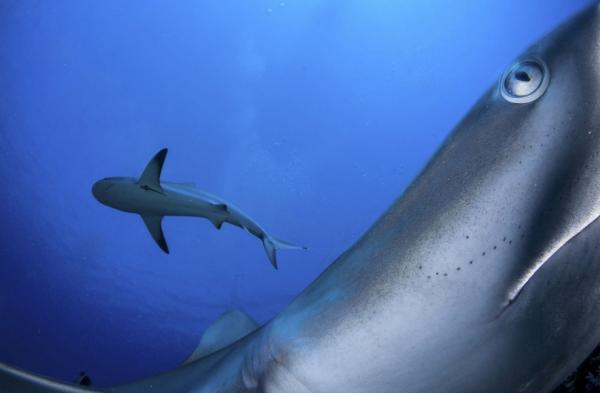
<point>525,82</point>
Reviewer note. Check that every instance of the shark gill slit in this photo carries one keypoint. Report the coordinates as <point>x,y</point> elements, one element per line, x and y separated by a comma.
<point>520,285</point>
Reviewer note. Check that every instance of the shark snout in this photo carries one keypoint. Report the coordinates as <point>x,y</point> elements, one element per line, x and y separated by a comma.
<point>99,190</point>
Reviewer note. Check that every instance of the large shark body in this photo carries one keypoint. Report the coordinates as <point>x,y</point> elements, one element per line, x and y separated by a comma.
<point>483,277</point>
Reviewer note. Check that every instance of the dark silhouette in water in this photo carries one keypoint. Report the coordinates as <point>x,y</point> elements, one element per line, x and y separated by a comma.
<point>84,379</point>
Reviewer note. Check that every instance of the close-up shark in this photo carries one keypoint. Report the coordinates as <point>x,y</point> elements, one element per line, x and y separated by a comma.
<point>483,277</point>
<point>154,199</point>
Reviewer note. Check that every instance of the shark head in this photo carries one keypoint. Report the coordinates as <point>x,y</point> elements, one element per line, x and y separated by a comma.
<point>109,191</point>
<point>100,190</point>
<point>516,180</point>
<point>519,177</point>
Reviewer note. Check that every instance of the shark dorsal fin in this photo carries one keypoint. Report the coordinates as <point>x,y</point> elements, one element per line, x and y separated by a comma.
<point>150,178</point>
<point>154,225</point>
<point>227,329</point>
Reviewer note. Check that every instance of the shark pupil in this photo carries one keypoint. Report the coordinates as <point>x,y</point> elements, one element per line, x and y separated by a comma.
<point>523,76</point>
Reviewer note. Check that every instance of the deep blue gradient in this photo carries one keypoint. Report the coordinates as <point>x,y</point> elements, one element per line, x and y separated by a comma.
<point>311,116</point>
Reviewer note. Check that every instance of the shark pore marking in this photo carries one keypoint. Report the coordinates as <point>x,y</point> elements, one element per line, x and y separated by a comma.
<point>153,199</point>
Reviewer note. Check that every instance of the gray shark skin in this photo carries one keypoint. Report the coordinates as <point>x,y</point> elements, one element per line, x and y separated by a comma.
<point>483,277</point>
<point>154,199</point>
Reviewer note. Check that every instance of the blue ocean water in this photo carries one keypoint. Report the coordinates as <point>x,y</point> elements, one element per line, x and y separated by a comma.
<point>312,116</point>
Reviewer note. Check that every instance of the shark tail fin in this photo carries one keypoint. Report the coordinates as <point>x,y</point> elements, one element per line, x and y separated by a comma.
<point>272,245</point>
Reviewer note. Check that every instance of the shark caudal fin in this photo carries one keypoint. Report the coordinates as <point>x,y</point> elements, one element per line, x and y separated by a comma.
<point>272,245</point>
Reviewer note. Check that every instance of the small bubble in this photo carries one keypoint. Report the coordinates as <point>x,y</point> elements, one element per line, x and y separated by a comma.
<point>458,269</point>
<point>483,253</point>
<point>495,247</point>
<point>445,274</point>
<point>470,262</point>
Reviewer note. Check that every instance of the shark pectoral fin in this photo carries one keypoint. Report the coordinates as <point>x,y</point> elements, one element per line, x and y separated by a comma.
<point>227,329</point>
<point>154,225</point>
<point>150,178</point>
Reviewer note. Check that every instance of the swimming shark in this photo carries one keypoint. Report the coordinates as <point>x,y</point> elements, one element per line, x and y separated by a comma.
<point>483,277</point>
<point>153,199</point>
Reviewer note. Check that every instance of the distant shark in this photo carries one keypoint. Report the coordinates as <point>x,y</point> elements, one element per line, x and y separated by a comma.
<point>153,199</point>
<point>483,277</point>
